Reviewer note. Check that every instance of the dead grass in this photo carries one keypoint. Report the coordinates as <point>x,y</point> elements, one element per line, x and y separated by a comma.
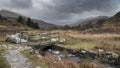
<point>91,64</point>
<point>8,27</point>
<point>77,39</point>
<point>52,62</point>
<point>109,46</point>
<point>48,62</point>
<point>90,37</point>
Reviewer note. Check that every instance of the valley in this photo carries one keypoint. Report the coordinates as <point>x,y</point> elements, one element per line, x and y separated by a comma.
<point>80,47</point>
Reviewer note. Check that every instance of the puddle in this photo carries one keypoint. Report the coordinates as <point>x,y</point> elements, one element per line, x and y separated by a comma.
<point>17,60</point>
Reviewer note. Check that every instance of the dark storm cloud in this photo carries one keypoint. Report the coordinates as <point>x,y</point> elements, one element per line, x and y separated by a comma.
<point>62,11</point>
<point>21,3</point>
<point>66,9</point>
<point>77,6</point>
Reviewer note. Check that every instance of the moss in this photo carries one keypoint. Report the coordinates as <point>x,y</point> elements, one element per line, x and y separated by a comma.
<point>76,44</point>
<point>3,61</point>
<point>5,43</point>
<point>33,59</point>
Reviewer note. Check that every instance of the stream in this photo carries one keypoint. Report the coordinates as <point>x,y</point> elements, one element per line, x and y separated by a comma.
<point>72,57</point>
<point>17,60</point>
<point>58,52</point>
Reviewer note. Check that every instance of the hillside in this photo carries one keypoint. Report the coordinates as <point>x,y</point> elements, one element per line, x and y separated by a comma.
<point>100,24</point>
<point>13,16</point>
<point>113,22</point>
<point>93,20</point>
<point>43,24</point>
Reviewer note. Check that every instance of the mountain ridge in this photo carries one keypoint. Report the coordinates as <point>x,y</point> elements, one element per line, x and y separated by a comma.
<point>102,24</point>
<point>13,15</point>
<point>93,20</point>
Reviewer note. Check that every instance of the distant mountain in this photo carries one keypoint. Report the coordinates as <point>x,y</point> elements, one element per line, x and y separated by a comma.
<point>115,18</point>
<point>42,24</point>
<point>7,13</point>
<point>100,24</point>
<point>114,21</point>
<point>93,20</point>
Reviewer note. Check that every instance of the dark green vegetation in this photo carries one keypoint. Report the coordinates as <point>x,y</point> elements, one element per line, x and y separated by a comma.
<point>29,22</point>
<point>20,19</point>
<point>3,61</point>
<point>2,18</point>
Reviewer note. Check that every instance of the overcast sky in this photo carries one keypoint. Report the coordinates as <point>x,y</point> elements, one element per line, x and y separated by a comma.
<point>62,11</point>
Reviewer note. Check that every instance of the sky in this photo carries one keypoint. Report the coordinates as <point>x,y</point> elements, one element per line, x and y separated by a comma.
<point>62,12</point>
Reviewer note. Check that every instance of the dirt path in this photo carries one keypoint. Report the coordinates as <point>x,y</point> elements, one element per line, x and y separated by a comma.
<point>16,59</point>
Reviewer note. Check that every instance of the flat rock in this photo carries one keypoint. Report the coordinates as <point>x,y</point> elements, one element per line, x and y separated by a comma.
<point>14,60</point>
<point>38,67</point>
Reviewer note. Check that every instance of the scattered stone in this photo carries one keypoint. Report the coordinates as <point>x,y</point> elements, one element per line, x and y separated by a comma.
<point>62,40</point>
<point>13,67</point>
<point>14,60</point>
<point>10,47</point>
<point>39,56</point>
<point>38,67</point>
<point>3,47</point>
<point>36,51</point>
<point>83,51</point>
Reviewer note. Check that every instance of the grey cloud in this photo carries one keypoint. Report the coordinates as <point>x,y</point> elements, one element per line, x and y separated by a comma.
<point>78,6</point>
<point>63,11</point>
<point>21,3</point>
<point>66,9</point>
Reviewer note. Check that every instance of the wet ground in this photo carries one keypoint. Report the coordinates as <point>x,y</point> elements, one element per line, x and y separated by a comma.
<point>70,56</point>
<point>57,54</point>
<point>16,59</point>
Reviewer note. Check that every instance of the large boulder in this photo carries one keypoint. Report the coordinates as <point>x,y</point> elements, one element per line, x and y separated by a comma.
<point>15,38</point>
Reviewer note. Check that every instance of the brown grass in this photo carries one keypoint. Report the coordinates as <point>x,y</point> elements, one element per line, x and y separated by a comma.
<point>8,27</point>
<point>108,46</point>
<point>91,37</point>
<point>54,63</point>
<point>91,64</point>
